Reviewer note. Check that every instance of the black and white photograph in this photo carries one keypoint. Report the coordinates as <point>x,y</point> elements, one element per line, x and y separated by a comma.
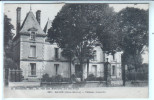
<point>76,50</point>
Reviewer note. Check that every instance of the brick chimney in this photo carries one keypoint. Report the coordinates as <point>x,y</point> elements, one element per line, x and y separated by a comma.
<point>18,19</point>
<point>38,16</point>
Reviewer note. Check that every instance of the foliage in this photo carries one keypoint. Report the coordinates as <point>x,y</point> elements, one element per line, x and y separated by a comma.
<point>78,27</point>
<point>91,77</point>
<point>107,31</point>
<point>133,34</point>
<point>8,39</point>
<point>8,36</point>
<point>9,63</point>
<point>74,29</point>
<point>133,29</point>
<point>137,76</point>
<point>56,78</point>
<point>132,61</point>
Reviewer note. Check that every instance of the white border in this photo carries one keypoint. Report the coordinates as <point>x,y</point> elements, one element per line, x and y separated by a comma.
<point>151,45</point>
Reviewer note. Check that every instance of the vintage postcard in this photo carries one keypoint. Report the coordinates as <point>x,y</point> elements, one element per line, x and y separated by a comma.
<point>76,50</point>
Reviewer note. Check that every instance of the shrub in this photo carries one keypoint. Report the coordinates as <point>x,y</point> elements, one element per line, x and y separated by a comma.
<point>73,77</point>
<point>99,78</point>
<point>91,77</point>
<point>45,77</point>
<point>56,78</point>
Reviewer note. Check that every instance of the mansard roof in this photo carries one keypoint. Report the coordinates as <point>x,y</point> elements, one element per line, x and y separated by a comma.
<point>47,26</point>
<point>31,24</point>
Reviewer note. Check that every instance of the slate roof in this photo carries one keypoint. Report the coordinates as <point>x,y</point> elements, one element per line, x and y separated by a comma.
<point>30,23</point>
<point>47,26</point>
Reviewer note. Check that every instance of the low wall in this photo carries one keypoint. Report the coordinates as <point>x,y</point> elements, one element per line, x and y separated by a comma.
<point>75,85</point>
<point>23,84</point>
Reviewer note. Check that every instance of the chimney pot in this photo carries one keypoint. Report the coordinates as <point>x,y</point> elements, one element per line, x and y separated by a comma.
<point>18,19</point>
<point>38,16</point>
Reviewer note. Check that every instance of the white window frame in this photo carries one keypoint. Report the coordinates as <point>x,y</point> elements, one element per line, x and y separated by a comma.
<point>33,72</point>
<point>32,37</point>
<point>30,55</point>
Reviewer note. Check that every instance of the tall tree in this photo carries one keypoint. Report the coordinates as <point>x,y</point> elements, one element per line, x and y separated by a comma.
<point>8,36</point>
<point>75,26</point>
<point>107,31</point>
<point>133,29</point>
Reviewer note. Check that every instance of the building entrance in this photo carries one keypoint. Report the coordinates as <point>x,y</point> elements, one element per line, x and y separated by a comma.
<point>78,71</point>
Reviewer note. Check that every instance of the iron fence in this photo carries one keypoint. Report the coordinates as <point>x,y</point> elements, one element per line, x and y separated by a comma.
<point>15,75</point>
<point>18,75</point>
<point>136,76</point>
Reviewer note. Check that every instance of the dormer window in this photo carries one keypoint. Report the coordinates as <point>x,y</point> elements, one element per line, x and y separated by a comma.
<point>32,32</point>
<point>32,36</point>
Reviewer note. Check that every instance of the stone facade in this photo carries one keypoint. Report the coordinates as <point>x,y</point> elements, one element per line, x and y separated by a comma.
<point>36,56</point>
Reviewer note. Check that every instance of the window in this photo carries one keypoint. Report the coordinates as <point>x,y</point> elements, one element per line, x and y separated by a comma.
<point>113,57</point>
<point>33,68</point>
<point>56,68</point>
<point>56,53</point>
<point>32,36</point>
<point>32,51</point>
<point>113,70</point>
<point>94,69</point>
<point>94,55</point>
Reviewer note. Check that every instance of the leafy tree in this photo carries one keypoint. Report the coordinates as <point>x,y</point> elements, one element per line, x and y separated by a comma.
<point>75,26</point>
<point>8,36</point>
<point>106,31</point>
<point>133,33</point>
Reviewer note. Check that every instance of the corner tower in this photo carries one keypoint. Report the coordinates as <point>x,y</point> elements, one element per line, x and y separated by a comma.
<point>31,45</point>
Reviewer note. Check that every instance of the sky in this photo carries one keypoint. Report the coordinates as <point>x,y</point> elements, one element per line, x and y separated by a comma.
<point>49,11</point>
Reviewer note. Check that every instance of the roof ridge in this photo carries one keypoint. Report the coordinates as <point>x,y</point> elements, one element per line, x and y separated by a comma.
<point>24,21</point>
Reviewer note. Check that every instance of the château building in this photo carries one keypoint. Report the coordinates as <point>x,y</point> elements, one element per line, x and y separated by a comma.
<point>36,56</point>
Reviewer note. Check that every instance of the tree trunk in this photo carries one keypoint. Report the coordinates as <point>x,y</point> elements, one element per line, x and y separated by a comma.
<point>124,75</point>
<point>123,69</point>
<point>135,67</point>
<point>81,66</point>
<point>70,67</point>
<point>87,67</point>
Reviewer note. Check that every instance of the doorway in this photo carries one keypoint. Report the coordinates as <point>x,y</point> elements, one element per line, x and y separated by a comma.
<point>78,71</point>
